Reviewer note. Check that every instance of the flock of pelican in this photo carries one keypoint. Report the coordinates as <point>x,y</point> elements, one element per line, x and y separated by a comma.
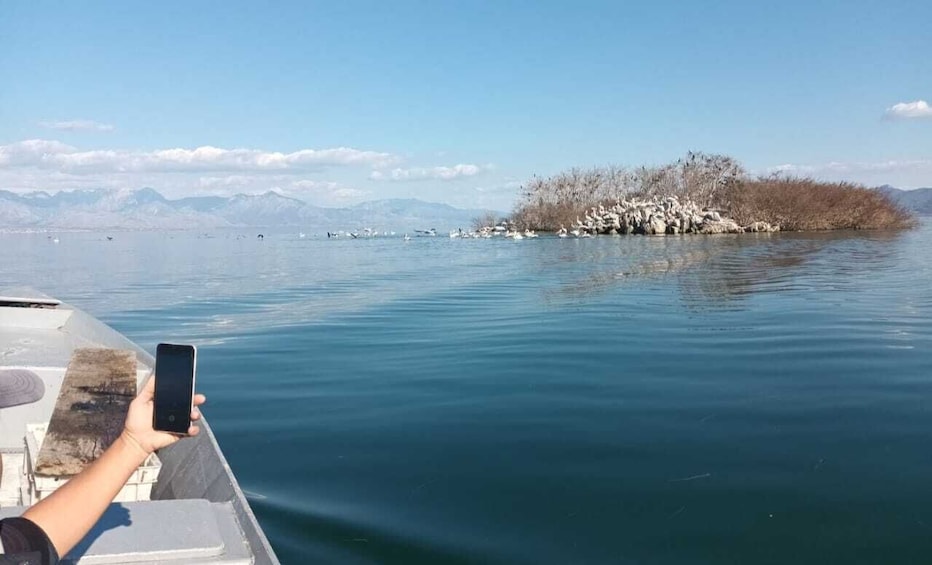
<point>366,233</point>
<point>489,232</point>
<point>577,231</point>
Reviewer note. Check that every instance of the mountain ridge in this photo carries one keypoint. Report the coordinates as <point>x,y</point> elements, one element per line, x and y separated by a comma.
<point>146,208</point>
<point>918,200</point>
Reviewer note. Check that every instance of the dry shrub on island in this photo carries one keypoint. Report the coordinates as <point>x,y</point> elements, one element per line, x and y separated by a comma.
<point>804,204</point>
<point>712,181</point>
<point>548,203</point>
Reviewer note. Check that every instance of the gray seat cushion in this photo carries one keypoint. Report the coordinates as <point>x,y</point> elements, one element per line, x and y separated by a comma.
<point>19,386</point>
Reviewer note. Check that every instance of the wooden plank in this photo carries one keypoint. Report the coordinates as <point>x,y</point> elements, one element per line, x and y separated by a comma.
<point>90,411</point>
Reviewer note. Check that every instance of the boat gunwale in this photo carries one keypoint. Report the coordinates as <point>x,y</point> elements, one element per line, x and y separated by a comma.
<point>106,336</point>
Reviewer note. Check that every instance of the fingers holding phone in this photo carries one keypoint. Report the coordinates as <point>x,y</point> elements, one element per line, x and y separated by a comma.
<point>165,409</point>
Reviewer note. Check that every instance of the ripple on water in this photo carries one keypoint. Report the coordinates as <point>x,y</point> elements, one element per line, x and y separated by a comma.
<point>658,399</point>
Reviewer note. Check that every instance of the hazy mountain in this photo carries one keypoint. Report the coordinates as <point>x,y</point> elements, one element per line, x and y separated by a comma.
<point>267,209</point>
<point>146,208</point>
<point>409,212</point>
<point>918,200</point>
<point>91,209</point>
<point>200,203</point>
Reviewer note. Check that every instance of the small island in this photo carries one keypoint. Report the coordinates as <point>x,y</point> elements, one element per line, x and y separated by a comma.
<point>698,194</point>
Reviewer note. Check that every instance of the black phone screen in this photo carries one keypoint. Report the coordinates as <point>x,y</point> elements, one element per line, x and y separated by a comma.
<point>174,387</point>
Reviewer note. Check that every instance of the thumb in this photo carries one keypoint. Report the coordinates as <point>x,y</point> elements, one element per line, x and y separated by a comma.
<point>148,389</point>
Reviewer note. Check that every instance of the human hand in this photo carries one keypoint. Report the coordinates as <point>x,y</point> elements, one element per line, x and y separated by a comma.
<point>139,420</point>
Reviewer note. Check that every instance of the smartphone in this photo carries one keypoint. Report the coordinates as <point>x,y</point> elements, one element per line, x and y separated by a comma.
<point>175,366</point>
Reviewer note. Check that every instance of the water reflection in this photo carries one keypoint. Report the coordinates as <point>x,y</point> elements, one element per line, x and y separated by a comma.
<point>216,286</point>
<point>786,263</point>
<point>719,272</point>
<point>673,388</point>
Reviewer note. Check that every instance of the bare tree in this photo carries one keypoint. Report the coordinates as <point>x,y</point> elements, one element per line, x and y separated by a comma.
<point>488,219</point>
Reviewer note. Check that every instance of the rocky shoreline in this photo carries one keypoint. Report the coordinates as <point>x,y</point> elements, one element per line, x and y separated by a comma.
<point>658,217</point>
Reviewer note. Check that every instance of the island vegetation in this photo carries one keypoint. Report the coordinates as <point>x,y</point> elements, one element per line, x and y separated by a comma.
<point>700,193</point>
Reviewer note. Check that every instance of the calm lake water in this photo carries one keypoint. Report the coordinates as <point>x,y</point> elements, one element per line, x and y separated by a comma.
<point>723,399</point>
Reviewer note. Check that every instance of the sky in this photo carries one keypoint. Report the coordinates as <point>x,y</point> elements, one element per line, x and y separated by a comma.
<point>457,102</point>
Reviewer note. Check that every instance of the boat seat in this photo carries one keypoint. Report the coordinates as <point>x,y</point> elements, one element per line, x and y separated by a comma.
<point>95,394</point>
<point>175,531</point>
<point>20,386</point>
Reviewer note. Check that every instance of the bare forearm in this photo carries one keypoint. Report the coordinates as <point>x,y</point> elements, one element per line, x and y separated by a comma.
<point>72,510</point>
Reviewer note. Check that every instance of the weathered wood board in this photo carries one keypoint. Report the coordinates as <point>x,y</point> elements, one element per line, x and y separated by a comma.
<point>90,411</point>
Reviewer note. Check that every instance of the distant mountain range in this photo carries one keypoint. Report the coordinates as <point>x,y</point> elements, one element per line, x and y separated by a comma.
<point>919,200</point>
<point>146,208</point>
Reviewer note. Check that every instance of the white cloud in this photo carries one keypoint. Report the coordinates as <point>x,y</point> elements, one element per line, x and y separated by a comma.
<point>77,125</point>
<point>326,193</point>
<point>325,177</point>
<point>854,168</point>
<point>430,173</point>
<point>902,173</point>
<point>347,194</point>
<point>314,185</point>
<point>230,181</point>
<point>909,110</point>
<point>505,187</point>
<point>329,189</point>
<point>57,156</point>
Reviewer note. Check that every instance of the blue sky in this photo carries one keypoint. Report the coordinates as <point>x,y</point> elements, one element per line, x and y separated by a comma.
<point>454,102</point>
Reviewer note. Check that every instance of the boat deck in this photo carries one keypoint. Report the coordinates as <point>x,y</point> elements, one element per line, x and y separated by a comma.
<point>11,479</point>
<point>197,514</point>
